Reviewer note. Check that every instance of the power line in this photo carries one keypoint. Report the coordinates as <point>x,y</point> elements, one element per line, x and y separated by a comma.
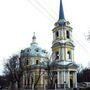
<point>79,41</point>
<point>37,8</point>
<point>54,13</point>
<point>44,9</point>
<point>81,46</point>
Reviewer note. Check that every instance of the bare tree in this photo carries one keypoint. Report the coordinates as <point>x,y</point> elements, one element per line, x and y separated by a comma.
<point>84,75</point>
<point>38,78</point>
<point>50,68</point>
<point>13,70</point>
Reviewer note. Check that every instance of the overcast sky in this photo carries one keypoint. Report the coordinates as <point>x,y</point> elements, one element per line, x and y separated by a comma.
<point>20,18</point>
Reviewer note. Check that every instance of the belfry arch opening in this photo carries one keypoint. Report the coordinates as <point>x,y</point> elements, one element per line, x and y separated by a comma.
<point>57,34</point>
<point>68,34</point>
<point>69,54</point>
<point>57,55</point>
<point>37,61</point>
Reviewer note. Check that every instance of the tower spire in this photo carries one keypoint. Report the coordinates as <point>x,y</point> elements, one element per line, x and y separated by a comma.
<point>61,21</point>
<point>61,12</point>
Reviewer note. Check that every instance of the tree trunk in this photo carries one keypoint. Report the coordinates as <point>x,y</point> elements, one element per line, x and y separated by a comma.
<point>18,85</point>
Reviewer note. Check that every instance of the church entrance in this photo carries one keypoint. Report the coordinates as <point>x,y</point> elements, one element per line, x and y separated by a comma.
<point>71,83</point>
<point>71,79</point>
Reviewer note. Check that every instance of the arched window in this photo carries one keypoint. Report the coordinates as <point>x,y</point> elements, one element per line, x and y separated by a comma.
<point>69,54</point>
<point>57,55</point>
<point>37,61</point>
<point>68,34</point>
<point>57,34</point>
<point>27,61</point>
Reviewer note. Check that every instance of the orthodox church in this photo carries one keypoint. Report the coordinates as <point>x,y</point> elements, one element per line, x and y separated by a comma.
<point>59,71</point>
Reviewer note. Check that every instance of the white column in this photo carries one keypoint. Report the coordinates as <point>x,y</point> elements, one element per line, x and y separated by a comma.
<point>54,36</point>
<point>64,75</point>
<point>62,33</point>
<point>70,35</point>
<point>73,54</point>
<point>42,81</point>
<point>66,53</point>
<point>62,53</point>
<point>61,78</point>
<point>65,34</point>
<point>59,54</point>
<point>33,77</point>
<point>42,77</point>
<point>75,79</point>
<point>58,77</point>
<point>64,79</point>
<point>68,79</point>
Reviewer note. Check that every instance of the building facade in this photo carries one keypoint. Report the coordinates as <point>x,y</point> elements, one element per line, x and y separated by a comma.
<point>31,59</point>
<point>59,71</point>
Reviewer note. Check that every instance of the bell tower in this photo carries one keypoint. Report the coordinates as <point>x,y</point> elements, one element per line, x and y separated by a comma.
<point>62,45</point>
<point>63,52</point>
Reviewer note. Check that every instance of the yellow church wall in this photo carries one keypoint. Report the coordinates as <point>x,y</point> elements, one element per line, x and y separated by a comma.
<point>39,74</point>
<point>66,49</point>
<point>55,49</point>
<point>59,48</point>
<point>69,49</point>
<point>72,52</point>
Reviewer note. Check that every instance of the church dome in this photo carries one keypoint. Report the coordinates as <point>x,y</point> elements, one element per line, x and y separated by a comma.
<point>34,50</point>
